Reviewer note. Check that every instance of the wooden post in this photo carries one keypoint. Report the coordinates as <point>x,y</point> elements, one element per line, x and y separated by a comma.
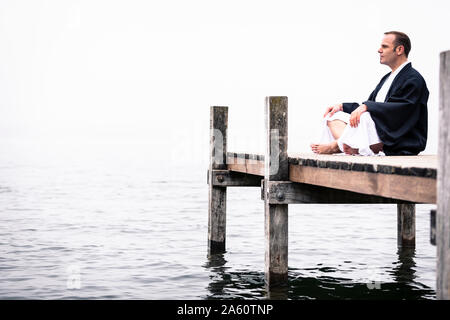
<point>406,225</point>
<point>217,195</point>
<point>276,169</point>
<point>433,227</point>
<point>443,182</point>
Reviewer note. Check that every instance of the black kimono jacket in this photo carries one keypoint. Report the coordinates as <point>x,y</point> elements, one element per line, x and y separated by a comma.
<point>402,119</point>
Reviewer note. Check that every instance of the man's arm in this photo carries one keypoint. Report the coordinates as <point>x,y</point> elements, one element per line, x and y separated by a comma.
<point>349,107</point>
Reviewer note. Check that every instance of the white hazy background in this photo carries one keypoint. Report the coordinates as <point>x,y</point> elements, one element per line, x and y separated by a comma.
<point>147,72</point>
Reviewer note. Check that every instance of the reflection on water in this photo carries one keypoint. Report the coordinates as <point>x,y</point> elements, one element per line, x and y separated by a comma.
<point>232,285</point>
<point>250,284</point>
<point>404,272</point>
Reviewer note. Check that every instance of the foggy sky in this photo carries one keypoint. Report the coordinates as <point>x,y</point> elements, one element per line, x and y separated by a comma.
<point>149,71</point>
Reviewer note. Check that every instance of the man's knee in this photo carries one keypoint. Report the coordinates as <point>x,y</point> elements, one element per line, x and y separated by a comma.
<point>365,116</point>
<point>336,123</point>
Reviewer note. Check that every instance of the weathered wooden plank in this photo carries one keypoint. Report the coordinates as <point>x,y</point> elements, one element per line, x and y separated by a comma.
<point>443,206</point>
<point>275,169</point>
<point>281,192</point>
<point>217,195</point>
<point>227,178</point>
<point>406,225</point>
<point>253,156</point>
<point>255,167</point>
<point>237,167</point>
<point>421,165</point>
<point>251,166</point>
<point>407,188</point>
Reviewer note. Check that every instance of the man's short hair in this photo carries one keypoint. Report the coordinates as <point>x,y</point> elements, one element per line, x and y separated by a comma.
<point>401,39</point>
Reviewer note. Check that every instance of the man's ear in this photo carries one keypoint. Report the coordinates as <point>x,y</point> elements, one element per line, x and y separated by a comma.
<point>400,50</point>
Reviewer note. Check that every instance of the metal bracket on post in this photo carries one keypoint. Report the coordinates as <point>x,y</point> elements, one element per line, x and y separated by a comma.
<point>227,178</point>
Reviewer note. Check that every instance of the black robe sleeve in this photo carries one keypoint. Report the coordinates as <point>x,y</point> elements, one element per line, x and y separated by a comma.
<point>349,107</point>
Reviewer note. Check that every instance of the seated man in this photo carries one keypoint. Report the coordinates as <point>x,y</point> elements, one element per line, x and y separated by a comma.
<point>393,121</point>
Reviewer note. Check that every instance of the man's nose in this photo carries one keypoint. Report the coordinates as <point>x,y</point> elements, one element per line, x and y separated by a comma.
<point>380,50</point>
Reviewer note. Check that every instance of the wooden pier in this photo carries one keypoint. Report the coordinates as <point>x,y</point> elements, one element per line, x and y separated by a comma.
<point>294,178</point>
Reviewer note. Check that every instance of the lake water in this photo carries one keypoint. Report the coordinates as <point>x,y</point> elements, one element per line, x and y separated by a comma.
<point>112,221</point>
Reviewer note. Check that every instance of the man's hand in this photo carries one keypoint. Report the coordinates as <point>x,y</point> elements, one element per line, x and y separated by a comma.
<point>333,109</point>
<point>356,115</point>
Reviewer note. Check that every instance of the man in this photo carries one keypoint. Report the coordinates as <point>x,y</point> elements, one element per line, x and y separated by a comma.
<point>393,121</point>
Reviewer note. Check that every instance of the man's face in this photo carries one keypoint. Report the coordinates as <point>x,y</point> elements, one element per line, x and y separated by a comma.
<point>387,53</point>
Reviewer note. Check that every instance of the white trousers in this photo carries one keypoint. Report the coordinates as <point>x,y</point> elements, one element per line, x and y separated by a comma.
<point>361,137</point>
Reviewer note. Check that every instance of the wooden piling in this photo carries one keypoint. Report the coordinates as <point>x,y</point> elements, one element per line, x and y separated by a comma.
<point>217,194</point>
<point>443,182</point>
<point>276,168</point>
<point>406,225</point>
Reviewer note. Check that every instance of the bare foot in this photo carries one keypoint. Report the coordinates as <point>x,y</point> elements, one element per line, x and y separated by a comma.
<point>325,148</point>
<point>377,147</point>
<point>349,150</point>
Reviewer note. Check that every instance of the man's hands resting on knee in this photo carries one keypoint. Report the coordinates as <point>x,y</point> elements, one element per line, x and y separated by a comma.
<point>355,116</point>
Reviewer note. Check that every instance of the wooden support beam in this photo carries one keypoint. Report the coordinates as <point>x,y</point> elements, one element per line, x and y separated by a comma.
<point>443,205</point>
<point>406,225</point>
<point>217,195</point>
<point>276,168</point>
<point>246,163</point>
<point>227,178</point>
<point>407,188</point>
<point>282,192</point>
